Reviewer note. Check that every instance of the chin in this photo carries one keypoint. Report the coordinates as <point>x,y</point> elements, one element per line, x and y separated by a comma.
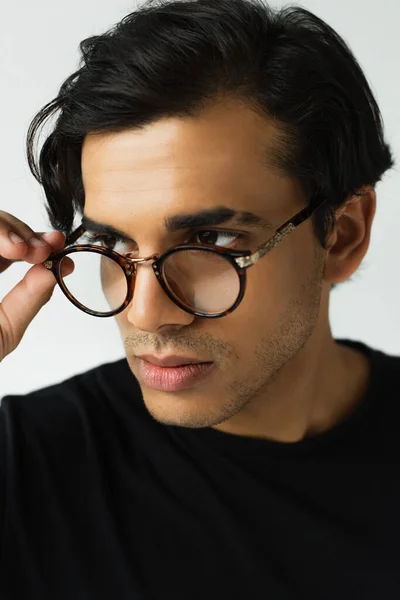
<point>181,410</point>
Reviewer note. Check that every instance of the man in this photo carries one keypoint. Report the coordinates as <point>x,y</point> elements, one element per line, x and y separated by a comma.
<point>239,451</point>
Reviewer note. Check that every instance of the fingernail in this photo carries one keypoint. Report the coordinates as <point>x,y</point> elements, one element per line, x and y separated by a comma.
<point>47,235</point>
<point>15,238</point>
<point>36,243</point>
<point>50,233</point>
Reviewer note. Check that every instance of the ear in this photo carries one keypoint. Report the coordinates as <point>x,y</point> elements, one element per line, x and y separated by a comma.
<point>349,241</point>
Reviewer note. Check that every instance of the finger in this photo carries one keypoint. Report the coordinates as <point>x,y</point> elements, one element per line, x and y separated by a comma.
<point>15,236</point>
<point>25,300</point>
<point>53,241</point>
<point>33,250</point>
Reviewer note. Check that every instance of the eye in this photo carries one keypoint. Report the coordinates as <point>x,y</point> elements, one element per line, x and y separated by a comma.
<point>107,241</point>
<point>212,237</point>
<point>209,237</point>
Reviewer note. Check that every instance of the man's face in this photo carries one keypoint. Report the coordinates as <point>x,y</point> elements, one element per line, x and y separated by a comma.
<point>134,180</point>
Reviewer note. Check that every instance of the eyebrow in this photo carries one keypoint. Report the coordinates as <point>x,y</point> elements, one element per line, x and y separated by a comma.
<point>182,221</point>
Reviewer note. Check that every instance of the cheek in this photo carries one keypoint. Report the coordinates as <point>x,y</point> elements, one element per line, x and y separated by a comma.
<point>280,275</point>
<point>272,284</point>
<point>122,322</point>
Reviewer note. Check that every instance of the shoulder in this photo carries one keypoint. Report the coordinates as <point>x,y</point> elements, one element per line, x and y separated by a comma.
<point>60,429</point>
<point>387,373</point>
<point>64,409</point>
<point>93,382</point>
<point>387,388</point>
<point>384,403</point>
<point>385,368</point>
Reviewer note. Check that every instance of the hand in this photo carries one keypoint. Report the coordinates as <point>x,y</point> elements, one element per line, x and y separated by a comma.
<point>24,301</point>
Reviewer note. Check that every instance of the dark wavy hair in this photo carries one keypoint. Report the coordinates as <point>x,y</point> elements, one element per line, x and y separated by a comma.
<point>172,58</point>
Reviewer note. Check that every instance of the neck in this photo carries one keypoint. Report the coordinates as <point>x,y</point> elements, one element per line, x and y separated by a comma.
<point>312,393</point>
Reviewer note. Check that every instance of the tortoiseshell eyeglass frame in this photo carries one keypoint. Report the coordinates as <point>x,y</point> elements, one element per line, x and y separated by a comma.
<point>239,259</point>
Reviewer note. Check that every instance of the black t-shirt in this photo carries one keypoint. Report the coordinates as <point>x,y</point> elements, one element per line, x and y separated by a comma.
<point>99,500</point>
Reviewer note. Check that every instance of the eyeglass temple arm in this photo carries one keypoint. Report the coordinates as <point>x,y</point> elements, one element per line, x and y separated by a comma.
<point>280,233</point>
<point>75,235</point>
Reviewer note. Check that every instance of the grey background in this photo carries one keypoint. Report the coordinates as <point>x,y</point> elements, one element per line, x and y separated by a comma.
<point>38,50</point>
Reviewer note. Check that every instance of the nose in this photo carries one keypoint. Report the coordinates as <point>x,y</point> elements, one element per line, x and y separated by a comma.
<point>151,309</point>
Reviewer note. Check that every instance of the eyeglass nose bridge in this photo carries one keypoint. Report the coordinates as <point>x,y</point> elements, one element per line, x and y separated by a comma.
<point>131,263</point>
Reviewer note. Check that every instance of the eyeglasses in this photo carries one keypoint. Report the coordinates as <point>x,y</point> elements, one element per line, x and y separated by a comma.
<point>202,280</point>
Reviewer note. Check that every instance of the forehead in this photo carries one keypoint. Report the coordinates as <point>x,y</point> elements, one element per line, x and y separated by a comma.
<point>185,164</point>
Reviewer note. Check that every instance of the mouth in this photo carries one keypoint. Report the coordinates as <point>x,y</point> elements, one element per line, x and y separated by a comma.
<point>172,360</point>
<point>173,378</point>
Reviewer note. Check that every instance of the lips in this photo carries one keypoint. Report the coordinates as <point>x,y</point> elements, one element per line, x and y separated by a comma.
<point>171,361</point>
<point>173,379</point>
